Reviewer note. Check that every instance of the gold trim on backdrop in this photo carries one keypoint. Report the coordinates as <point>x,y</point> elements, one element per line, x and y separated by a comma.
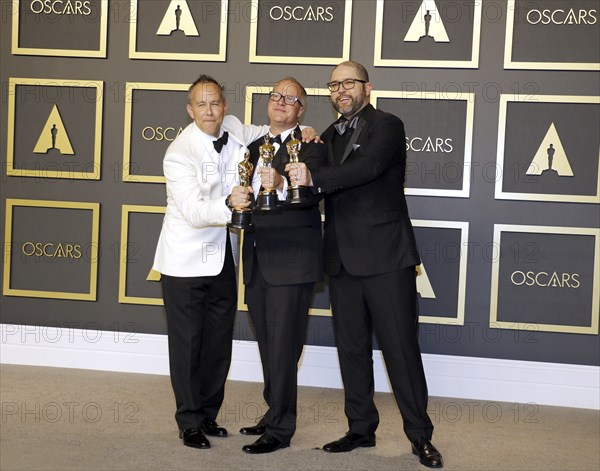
<point>462,276</point>
<point>265,90</point>
<point>473,63</point>
<point>570,329</point>
<point>94,207</point>
<point>508,50</point>
<point>100,53</point>
<point>242,306</point>
<point>254,57</point>
<point>130,88</point>
<point>499,192</point>
<point>469,120</point>
<point>125,210</point>
<point>221,56</point>
<point>10,147</point>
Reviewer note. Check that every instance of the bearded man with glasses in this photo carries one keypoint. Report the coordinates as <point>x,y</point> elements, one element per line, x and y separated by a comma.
<point>370,257</point>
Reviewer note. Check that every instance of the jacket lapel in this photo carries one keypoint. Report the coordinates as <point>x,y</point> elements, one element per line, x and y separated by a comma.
<point>281,157</point>
<point>355,135</point>
<point>327,137</point>
<point>206,158</point>
<point>229,160</point>
<point>254,154</point>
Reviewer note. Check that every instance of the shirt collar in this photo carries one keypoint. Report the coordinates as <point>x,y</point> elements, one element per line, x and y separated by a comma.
<point>284,135</point>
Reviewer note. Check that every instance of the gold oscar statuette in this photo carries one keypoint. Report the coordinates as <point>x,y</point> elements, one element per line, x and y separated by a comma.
<point>241,218</point>
<point>298,196</point>
<point>266,201</point>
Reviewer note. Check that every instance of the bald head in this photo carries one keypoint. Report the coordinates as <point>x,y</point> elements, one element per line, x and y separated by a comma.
<point>359,70</point>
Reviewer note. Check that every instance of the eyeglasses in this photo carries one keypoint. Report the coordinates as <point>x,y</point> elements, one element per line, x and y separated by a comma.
<point>348,84</point>
<point>287,99</point>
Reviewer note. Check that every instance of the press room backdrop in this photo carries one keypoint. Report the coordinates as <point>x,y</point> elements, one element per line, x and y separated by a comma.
<point>501,109</point>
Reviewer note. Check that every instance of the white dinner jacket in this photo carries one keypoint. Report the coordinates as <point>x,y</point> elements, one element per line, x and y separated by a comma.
<point>193,237</point>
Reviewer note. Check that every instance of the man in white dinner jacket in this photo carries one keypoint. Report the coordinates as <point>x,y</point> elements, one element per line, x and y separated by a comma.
<point>194,256</point>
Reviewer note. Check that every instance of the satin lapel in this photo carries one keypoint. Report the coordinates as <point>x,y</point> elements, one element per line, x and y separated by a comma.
<point>281,157</point>
<point>207,159</point>
<point>327,137</point>
<point>350,147</point>
<point>254,154</point>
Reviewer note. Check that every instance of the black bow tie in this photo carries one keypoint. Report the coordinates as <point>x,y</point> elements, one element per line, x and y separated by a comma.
<point>219,143</point>
<point>343,124</point>
<point>276,139</point>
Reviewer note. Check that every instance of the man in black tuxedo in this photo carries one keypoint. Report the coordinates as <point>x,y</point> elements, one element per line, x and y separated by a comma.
<point>370,257</point>
<point>282,261</point>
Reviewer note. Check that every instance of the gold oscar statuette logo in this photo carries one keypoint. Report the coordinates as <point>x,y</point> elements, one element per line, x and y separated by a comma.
<point>178,20</point>
<point>427,25</point>
<point>550,156</point>
<point>54,137</point>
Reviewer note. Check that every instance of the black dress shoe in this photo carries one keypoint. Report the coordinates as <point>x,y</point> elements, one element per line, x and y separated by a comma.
<point>212,429</point>
<point>427,453</point>
<point>349,442</point>
<point>258,429</point>
<point>265,444</point>
<point>194,437</point>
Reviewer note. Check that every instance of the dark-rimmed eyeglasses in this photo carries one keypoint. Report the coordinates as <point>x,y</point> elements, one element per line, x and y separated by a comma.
<point>287,99</point>
<point>348,84</point>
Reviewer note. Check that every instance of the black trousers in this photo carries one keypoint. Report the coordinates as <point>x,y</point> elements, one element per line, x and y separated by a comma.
<point>280,317</point>
<point>385,304</point>
<point>200,315</point>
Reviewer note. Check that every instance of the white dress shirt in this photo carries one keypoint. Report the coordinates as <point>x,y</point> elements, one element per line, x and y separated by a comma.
<point>281,194</point>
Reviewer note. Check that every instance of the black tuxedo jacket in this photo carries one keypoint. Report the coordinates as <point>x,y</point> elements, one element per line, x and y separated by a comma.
<point>367,226</point>
<point>288,245</point>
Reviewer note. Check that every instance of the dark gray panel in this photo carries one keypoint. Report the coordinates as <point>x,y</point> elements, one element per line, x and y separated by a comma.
<point>52,249</point>
<point>577,127</point>
<point>456,18</point>
<point>300,29</point>
<point>206,17</point>
<point>68,24</point>
<point>435,140</point>
<point>556,31</point>
<point>77,109</point>
<point>158,116</point>
<point>144,229</point>
<point>546,278</point>
<point>440,251</point>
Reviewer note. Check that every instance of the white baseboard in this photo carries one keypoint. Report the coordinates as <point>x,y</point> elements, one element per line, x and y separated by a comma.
<point>447,376</point>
